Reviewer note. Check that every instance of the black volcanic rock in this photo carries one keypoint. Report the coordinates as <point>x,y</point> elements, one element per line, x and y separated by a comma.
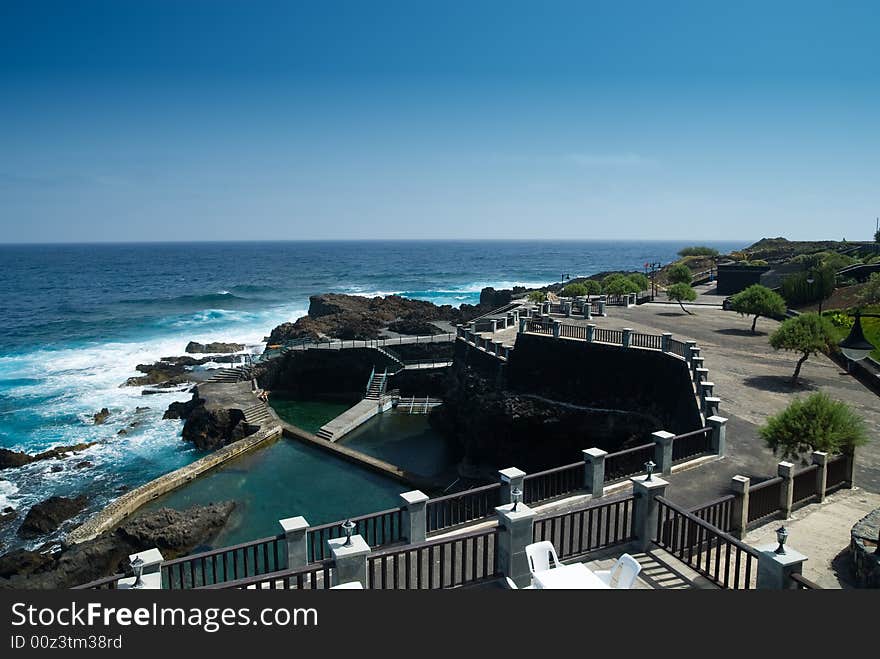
<point>216,347</point>
<point>175,533</point>
<point>10,459</point>
<point>101,417</point>
<point>182,410</point>
<point>47,516</point>
<point>213,429</point>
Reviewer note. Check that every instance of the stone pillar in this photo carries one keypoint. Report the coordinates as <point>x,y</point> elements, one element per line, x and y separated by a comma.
<point>664,341</point>
<point>645,509</point>
<point>594,471</point>
<point>705,390</point>
<point>591,332</point>
<point>588,309</point>
<point>695,362</point>
<point>775,570</point>
<point>566,307</point>
<point>415,520</point>
<point>786,492</point>
<point>821,458</point>
<point>626,302</point>
<point>701,374</point>
<point>695,351</point>
<point>522,325</point>
<point>627,336</point>
<point>602,307</point>
<point>687,350</point>
<point>557,328</point>
<point>350,562</point>
<point>545,308</point>
<point>739,517</point>
<point>711,405</point>
<point>663,451</point>
<point>511,478</point>
<point>718,438</point>
<point>459,331</point>
<point>295,533</point>
<point>515,532</point>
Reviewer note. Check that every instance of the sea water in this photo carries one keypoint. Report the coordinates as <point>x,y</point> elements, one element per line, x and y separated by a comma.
<point>75,320</point>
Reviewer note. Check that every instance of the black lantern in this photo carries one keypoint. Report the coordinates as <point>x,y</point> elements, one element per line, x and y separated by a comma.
<point>516,494</point>
<point>649,469</point>
<point>855,346</point>
<point>348,527</point>
<point>781,537</point>
<point>137,566</point>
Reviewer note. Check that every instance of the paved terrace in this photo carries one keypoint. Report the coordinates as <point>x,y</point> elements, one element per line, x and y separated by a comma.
<point>753,382</point>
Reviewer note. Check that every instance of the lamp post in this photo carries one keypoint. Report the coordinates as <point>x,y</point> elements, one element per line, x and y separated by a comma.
<point>137,566</point>
<point>348,527</point>
<point>855,346</point>
<point>649,469</point>
<point>781,537</point>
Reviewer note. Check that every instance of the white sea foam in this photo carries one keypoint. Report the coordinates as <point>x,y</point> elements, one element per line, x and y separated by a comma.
<point>7,492</point>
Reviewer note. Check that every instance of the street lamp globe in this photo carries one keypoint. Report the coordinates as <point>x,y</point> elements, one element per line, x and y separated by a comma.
<point>855,346</point>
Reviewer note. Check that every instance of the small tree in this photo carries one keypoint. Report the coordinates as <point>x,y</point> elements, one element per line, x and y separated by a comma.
<point>807,334</point>
<point>574,290</point>
<point>681,293</point>
<point>680,274</point>
<point>641,281</point>
<point>814,423</point>
<point>759,301</point>
<point>593,287</point>
<point>870,293</point>
<point>537,297</point>
<point>619,285</point>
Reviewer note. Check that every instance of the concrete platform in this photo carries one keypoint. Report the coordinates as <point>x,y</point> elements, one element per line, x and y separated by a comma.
<point>353,417</point>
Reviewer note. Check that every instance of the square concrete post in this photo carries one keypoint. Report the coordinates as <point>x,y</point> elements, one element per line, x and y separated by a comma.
<point>718,438</point>
<point>664,341</point>
<point>557,328</point>
<point>711,405</point>
<point>626,301</point>
<point>415,519</point>
<point>522,325</point>
<point>152,559</point>
<point>591,332</point>
<point>688,350</point>
<point>545,308</point>
<point>775,570</point>
<point>663,451</point>
<point>786,492</point>
<point>459,331</point>
<point>151,577</point>
<point>566,307</point>
<point>588,309</point>
<point>626,337</point>
<point>350,562</point>
<point>295,533</point>
<point>594,471</point>
<point>702,374</point>
<point>511,478</point>
<point>515,531</point>
<point>739,517</point>
<point>705,390</point>
<point>821,458</point>
<point>602,308</point>
<point>695,351</point>
<point>695,362</point>
<point>645,509</point>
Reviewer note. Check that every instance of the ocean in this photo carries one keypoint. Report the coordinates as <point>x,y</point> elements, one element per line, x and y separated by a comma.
<point>75,320</point>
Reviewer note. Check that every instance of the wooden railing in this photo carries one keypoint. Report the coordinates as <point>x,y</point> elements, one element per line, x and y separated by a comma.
<point>462,507</point>
<point>804,485</point>
<point>552,483</point>
<point>721,558</point>
<point>691,444</point>
<point>316,576</point>
<point>837,473</point>
<point>718,513</point>
<point>764,499</point>
<point>444,563</point>
<point>629,462</point>
<point>602,524</point>
<point>105,583</point>
<point>377,530</point>
<point>802,583</point>
<point>226,564</point>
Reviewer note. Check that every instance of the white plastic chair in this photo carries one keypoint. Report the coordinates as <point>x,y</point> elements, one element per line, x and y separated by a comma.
<point>511,585</point>
<point>540,555</point>
<point>623,574</point>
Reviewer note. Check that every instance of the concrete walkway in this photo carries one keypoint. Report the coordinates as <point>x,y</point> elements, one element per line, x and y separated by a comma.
<point>822,532</point>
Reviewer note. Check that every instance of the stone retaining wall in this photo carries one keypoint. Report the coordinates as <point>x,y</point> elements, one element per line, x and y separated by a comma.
<point>115,512</point>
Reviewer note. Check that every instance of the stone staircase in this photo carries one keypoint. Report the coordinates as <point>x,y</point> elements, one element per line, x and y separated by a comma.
<point>257,414</point>
<point>376,385</point>
<point>236,374</point>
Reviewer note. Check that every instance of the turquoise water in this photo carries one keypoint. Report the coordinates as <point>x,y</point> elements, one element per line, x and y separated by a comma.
<point>408,441</point>
<point>309,415</point>
<point>285,479</point>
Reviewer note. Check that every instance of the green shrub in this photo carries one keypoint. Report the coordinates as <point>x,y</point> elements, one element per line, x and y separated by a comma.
<point>759,301</point>
<point>593,287</point>
<point>698,250</point>
<point>814,423</point>
<point>641,281</point>
<point>807,334</point>
<point>537,297</point>
<point>679,274</point>
<point>574,290</point>
<point>797,290</point>
<point>619,284</point>
<point>681,293</point>
<point>870,293</point>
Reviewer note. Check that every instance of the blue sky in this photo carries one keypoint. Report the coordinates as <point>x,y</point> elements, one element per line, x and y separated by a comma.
<point>259,120</point>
